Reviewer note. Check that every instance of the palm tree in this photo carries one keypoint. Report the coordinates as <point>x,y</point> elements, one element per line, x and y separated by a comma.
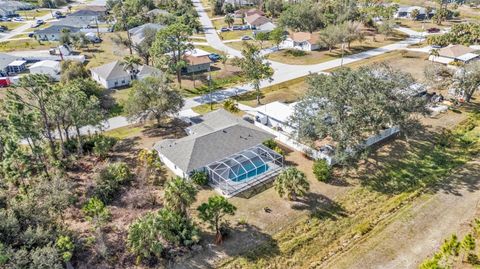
<point>130,64</point>
<point>434,53</point>
<point>414,14</point>
<point>179,195</point>
<point>292,183</point>
<point>229,19</point>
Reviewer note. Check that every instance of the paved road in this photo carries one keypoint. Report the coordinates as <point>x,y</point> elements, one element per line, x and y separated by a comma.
<point>418,231</point>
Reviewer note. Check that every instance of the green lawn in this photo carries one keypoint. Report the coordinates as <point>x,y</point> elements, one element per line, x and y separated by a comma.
<point>34,13</point>
<point>11,24</point>
<point>29,44</point>
<point>124,132</point>
<point>204,109</point>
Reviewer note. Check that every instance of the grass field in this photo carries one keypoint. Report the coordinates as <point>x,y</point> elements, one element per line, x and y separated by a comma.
<point>11,25</point>
<point>390,179</point>
<point>104,52</point>
<point>26,44</point>
<point>34,13</point>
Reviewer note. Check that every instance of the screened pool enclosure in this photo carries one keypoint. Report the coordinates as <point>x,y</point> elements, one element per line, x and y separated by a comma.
<point>245,169</point>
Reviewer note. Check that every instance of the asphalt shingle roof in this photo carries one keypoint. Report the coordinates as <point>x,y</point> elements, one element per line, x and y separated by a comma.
<point>218,136</point>
<point>111,70</point>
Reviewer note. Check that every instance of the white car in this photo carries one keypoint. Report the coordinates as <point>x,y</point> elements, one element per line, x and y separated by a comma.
<point>18,19</point>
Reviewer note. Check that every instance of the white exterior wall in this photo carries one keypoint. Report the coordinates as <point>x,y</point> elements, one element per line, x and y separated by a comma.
<point>110,84</point>
<point>177,171</point>
<point>305,46</point>
<point>45,71</point>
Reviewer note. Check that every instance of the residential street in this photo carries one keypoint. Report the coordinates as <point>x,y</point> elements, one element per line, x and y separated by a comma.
<point>283,72</point>
<point>419,230</point>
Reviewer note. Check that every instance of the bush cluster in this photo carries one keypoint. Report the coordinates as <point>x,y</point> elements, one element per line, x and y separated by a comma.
<point>322,170</point>
<point>110,179</point>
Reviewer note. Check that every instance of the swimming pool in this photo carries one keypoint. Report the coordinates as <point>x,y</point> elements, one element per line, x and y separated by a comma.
<point>242,174</point>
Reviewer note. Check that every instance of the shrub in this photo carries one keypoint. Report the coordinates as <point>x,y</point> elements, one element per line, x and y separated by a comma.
<point>102,145</point>
<point>295,52</point>
<point>110,179</point>
<point>231,106</point>
<point>199,177</point>
<point>322,170</point>
<point>96,211</point>
<point>150,166</point>
<point>65,246</point>
<point>270,143</point>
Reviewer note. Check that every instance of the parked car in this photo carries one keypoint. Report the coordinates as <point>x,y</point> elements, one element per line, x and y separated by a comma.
<point>3,28</point>
<point>245,27</point>
<point>59,16</point>
<point>39,22</point>
<point>57,13</point>
<point>237,27</point>
<point>433,30</point>
<point>214,57</point>
<point>18,19</point>
<point>246,37</point>
<point>31,35</point>
<point>34,25</point>
<point>224,29</point>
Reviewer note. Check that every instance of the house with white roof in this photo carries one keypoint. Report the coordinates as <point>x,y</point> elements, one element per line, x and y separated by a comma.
<point>302,41</point>
<point>405,12</point>
<point>137,34</point>
<point>47,67</point>
<point>455,53</point>
<point>114,75</point>
<point>9,65</point>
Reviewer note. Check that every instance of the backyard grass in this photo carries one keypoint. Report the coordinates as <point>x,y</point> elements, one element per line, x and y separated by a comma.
<point>104,52</point>
<point>421,26</point>
<point>23,36</point>
<point>208,49</point>
<point>238,45</point>
<point>315,57</point>
<point>384,183</point>
<point>28,44</point>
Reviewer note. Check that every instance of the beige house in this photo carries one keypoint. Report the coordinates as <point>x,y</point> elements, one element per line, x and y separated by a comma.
<point>197,64</point>
<point>454,53</point>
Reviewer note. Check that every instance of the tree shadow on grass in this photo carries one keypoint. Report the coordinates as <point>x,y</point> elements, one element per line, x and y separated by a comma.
<point>319,206</point>
<point>171,130</point>
<point>422,164</point>
<point>246,241</point>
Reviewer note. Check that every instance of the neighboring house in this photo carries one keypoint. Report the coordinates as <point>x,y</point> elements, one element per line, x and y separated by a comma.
<point>405,12</point>
<point>152,14</point>
<point>455,53</point>
<point>5,60</point>
<point>242,13</point>
<point>226,147</point>
<point>197,64</point>
<point>240,3</point>
<point>111,75</point>
<point>275,118</point>
<point>89,15</point>
<point>76,22</point>
<point>47,67</point>
<point>301,41</point>
<point>259,23</point>
<point>54,32</point>
<point>10,8</point>
<point>138,33</point>
<point>145,71</point>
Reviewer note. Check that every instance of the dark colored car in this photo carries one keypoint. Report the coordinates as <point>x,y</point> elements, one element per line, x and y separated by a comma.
<point>3,28</point>
<point>214,57</point>
<point>224,29</point>
<point>237,27</point>
<point>433,30</point>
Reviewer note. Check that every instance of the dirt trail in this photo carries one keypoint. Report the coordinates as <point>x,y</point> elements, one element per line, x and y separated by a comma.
<point>417,231</point>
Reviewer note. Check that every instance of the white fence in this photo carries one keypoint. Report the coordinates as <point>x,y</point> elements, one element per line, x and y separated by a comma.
<point>316,154</point>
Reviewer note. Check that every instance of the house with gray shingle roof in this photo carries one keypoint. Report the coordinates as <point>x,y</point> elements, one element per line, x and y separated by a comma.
<point>229,149</point>
<point>114,75</point>
<point>137,34</point>
<point>54,32</point>
<point>111,75</point>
